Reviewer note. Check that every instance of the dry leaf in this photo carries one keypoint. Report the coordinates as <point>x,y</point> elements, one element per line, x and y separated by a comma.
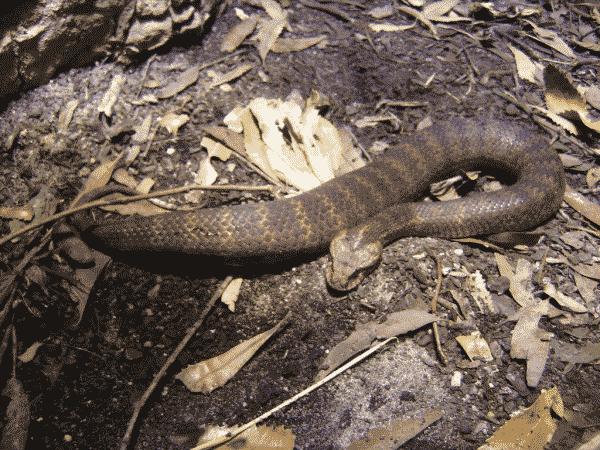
<point>532,429</point>
<point>587,353</point>
<point>142,131</point>
<point>564,300</point>
<point>434,10</point>
<point>66,115</point>
<point>389,27</point>
<point>268,33</point>
<point>475,346</point>
<point>183,81</point>
<point>531,343</point>
<point>173,122</point>
<point>586,288</point>
<point>29,354</point>
<point>583,206</point>
<point>592,177</point>
<point>16,416</point>
<point>381,12</point>
<point>111,95</point>
<point>99,177</point>
<point>234,37</point>
<point>563,98</point>
<point>262,438</point>
<point>85,279</point>
<point>395,433</point>
<point>286,45</point>
<point>231,293</point>
<point>24,213</point>
<point>395,324</point>
<point>551,39</point>
<point>230,76</point>
<point>207,174</point>
<point>520,279</point>
<point>212,373</point>
<point>273,9</point>
<point>526,68</point>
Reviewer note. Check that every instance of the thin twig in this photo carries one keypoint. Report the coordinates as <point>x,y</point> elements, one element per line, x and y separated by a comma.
<point>133,198</point>
<point>126,440</point>
<point>434,301</point>
<point>236,431</point>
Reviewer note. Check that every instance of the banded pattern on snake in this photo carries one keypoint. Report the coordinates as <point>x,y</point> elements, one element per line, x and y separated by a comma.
<point>358,213</point>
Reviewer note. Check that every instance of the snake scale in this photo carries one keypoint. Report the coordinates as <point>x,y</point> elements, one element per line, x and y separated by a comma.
<point>360,212</point>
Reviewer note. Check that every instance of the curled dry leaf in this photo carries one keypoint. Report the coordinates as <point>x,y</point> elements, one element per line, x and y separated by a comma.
<point>532,428</point>
<point>395,433</point>
<point>231,293</point>
<point>111,95</point>
<point>238,34</point>
<point>531,343</point>
<point>17,416</point>
<point>475,346</point>
<point>564,300</point>
<point>583,206</point>
<point>287,45</point>
<point>396,324</point>
<point>173,122</point>
<point>24,213</point>
<point>182,82</point>
<point>520,279</point>
<point>208,375</point>
<point>29,354</point>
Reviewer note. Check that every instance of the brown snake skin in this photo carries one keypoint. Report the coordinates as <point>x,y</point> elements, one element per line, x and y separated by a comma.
<point>366,209</point>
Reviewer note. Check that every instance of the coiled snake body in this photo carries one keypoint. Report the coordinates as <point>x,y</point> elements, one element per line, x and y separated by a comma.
<point>358,213</point>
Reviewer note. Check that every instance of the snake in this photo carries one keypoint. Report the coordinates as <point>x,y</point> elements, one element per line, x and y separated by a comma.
<point>355,215</point>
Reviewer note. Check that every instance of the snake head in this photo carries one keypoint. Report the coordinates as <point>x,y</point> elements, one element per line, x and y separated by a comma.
<point>351,260</point>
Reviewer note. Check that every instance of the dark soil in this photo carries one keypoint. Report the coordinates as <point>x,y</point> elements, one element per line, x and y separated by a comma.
<point>84,381</point>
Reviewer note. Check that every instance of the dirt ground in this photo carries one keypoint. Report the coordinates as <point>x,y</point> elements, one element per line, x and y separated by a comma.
<point>84,380</point>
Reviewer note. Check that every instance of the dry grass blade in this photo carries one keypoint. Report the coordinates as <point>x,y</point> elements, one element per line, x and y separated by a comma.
<point>212,373</point>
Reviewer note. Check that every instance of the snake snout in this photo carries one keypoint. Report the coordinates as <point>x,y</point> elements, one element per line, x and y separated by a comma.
<point>351,260</point>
